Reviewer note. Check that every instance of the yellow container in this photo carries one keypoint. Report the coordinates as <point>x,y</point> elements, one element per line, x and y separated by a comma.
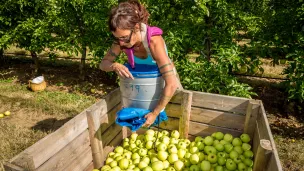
<point>37,87</point>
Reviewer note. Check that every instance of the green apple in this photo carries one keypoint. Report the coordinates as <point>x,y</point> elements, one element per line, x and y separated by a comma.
<point>165,133</point>
<point>118,158</point>
<point>200,145</point>
<point>181,145</point>
<point>133,136</point>
<point>246,146</point>
<point>230,164</point>
<point>223,142</point>
<point>166,164</point>
<point>187,162</point>
<point>222,154</point>
<point>221,161</point>
<point>205,165</point>
<point>175,134</point>
<point>113,163</point>
<point>111,154</point>
<point>125,145</point>
<point>136,169</point>
<point>157,166</point>
<point>142,152</point>
<point>219,168</point>
<point>242,167</point>
<point>194,159</point>
<point>132,166</point>
<point>242,157</point>
<point>194,149</point>
<point>124,163</point>
<point>213,134</point>
<point>219,147</point>
<point>179,165</point>
<point>141,137</point>
<point>127,155</point>
<point>173,141</point>
<point>228,148</point>
<point>109,160</point>
<point>172,148</point>
<point>194,168</point>
<point>248,162</point>
<point>149,137</point>
<point>146,159</point>
<point>181,153</point>
<point>141,165</point>
<point>148,168</point>
<point>7,113</point>
<point>237,160</point>
<point>238,149</point>
<point>136,161</point>
<point>162,155</point>
<point>208,140</point>
<point>245,138</point>
<point>154,159</point>
<point>212,158</point>
<point>149,145</point>
<point>105,167</point>
<point>138,142</point>
<point>233,154</point>
<point>219,135</point>
<point>172,158</point>
<point>187,142</point>
<point>248,154</point>
<point>201,156</point>
<point>199,139</point>
<point>116,168</point>
<point>166,140</point>
<point>249,169</point>
<point>210,149</point>
<point>216,142</point>
<point>150,132</point>
<point>228,137</point>
<point>171,168</point>
<point>161,147</point>
<point>237,142</point>
<point>119,150</point>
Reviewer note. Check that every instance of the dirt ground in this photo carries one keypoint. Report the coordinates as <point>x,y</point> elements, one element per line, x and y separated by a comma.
<point>286,125</point>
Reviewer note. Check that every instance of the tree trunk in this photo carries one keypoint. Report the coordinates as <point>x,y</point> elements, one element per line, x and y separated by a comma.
<point>208,42</point>
<point>36,61</point>
<point>82,63</point>
<point>1,55</point>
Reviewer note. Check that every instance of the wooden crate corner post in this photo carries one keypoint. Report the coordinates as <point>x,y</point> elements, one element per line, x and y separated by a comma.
<point>95,138</point>
<point>262,155</point>
<point>184,121</point>
<point>250,117</point>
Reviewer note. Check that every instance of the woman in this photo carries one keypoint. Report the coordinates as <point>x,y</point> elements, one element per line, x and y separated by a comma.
<point>128,23</point>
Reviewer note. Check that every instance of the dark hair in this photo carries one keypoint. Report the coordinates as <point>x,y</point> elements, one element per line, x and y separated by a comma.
<point>127,14</point>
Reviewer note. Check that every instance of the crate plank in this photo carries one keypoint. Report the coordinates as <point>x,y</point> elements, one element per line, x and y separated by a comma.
<point>216,101</point>
<point>67,154</point>
<point>265,133</point>
<point>263,153</point>
<point>115,142</point>
<point>185,114</point>
<point>110,133</point>
<point>90,167</point>
<point>199,129</point>
<point>81,162</point>
<point>11,167</point>
<point>37,154</point>
<point>207,116</point>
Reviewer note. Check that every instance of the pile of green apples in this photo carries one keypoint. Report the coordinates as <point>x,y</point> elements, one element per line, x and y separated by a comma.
<point>164,151</point>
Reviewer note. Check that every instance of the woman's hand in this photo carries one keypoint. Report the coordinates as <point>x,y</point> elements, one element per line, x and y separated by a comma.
<point>150,119</point>
<point>121,70</point>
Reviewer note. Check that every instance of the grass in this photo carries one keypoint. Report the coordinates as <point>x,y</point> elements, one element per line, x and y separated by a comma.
<point>33,115</point>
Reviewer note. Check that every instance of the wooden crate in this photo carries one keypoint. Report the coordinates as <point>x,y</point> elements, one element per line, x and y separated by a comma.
<point>84,142</point>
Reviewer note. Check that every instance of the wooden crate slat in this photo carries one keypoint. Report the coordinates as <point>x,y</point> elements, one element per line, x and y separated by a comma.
<point>11,167</point>
<point>69,153</point>
<point>265,133</point>
<point>81,162</point>
<point>274,164</point>
<point>108,135</point>
<point>200,129</point>
<point>37,154</point>
<point>216,101</point>
<point>207,116</point>
<point>108,119</point>
<point>90,167</point>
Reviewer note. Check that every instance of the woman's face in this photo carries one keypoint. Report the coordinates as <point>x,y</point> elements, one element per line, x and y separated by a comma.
<point>125,38</point>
